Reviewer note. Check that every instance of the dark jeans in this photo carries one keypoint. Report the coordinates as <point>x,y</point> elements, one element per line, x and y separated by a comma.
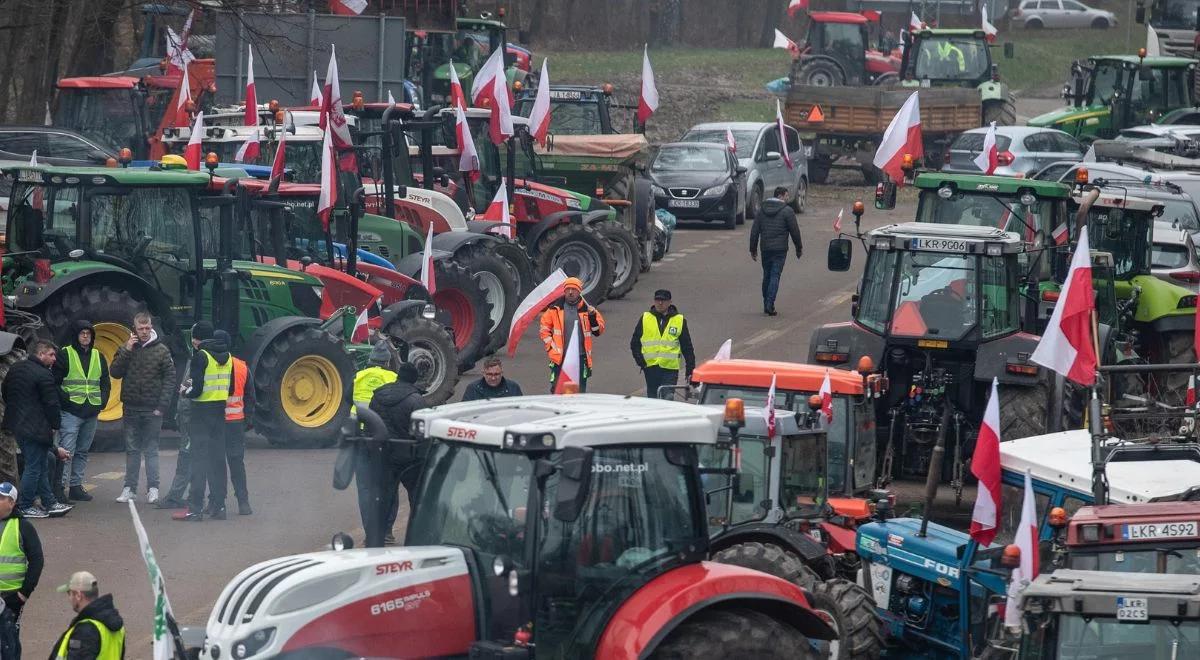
<point>772,266</point>
<point>183,461</point>
<point>365,460</point>
<point>142,428</point>
<point>10,635</point>
<point>656,377</point>
<point>35,480</point>
<point>585,373</point>
<point>207,431</point>
<point>235,457</point>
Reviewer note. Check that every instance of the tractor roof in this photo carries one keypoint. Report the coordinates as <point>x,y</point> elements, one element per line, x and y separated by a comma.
<point>1117,197</point>
<point>837,17</point>
<point>756,422</point>
<point>789,376</point>
<point>933,33</point>
<point>1148,512</point>
<point>1096,593</point>
<point>99,82</point>
<point>1153,61</point>
<point>1065,460</point>
<point>1004,185</point>
<point>125,176</point>
<point>582,420</point>
<point>916,236</point>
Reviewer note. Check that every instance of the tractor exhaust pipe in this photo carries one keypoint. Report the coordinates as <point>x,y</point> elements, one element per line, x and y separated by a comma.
<point>934,476</point>
<point>1085,205</point>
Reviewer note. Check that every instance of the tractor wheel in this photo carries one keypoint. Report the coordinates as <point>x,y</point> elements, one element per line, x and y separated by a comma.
<point>6,362</point>
<point>628,257</point>
<point>733,632</point>
<point>637,191</point>
<point>771,559</point>
<point>820,72</point>
<point>818,168</point>
<point>299,386</point>
<point>519,263</point>
<point>1004,113</point>
<point>431,351</point>
<point>848,608</point>
<point>580,251</point>
<point>1023,410</point>
<point>885,79</point>
<point>460,296</point>
<point>495,278</point>
<point>1175,348</point>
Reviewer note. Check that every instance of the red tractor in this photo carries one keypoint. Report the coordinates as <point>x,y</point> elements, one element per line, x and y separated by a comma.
<point>836,51</point>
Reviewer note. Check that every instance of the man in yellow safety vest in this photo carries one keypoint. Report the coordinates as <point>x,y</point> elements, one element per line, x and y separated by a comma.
<point>97,632</point>
<point>82,375</point>
<point>210,373</point>
<point>21,564</point>
<point>661,343</point>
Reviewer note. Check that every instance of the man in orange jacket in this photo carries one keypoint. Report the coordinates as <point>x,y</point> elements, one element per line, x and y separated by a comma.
<point>556,328</point>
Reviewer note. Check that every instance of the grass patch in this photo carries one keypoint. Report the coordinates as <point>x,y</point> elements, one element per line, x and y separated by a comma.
<point>1043,57</point>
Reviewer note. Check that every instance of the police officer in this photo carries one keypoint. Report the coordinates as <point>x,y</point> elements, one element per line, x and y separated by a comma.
<point>97,632</point>
<point>557,324</point>
<point>211,374</point>
<point>235,431</point>
<point>660,342</point>
<point>20,569</point>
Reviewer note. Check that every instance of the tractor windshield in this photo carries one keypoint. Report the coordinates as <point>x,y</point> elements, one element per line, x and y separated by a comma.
<point>303,158</point>
<point>1106,638</point>
<point>39,215</point>
<point>569,118</point>
<point>1001,211</point>
<point>1175,558</point>
<point>108,115</point>
<point>1124,233</point>
<point>963,58</point>
<point>151,223</point>
<point>1174,14</point>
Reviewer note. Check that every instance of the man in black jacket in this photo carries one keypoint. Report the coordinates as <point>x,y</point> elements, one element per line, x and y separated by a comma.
<point>493,385</point>
<point>395,403</point>
<point>210,375</point>
<point>660,338</point>
<point>82,376</point>
<point>773,225</point>
<point>94,615</point>
<point>32,413</point>
<point>16,591</point>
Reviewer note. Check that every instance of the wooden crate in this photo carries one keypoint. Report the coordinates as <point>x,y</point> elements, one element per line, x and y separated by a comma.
<point>869,110</point>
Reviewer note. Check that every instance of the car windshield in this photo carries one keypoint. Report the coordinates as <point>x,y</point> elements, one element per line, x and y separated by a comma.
<point>1124,233</point>
<point>1180,211</point>
<point>951,58</point>
<point>1001,211</point>
<point>744,140</point>
<point>106,115</point>
<point>1106,638</point>
<point>681,158</point>
<point>1174,14</point>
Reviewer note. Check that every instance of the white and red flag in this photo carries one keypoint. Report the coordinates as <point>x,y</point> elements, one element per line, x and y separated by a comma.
<point>796,6</point>
<point>837,222</point>
<point>1191,391</point>
<point>428,278</point>
<point>328,198</point>
<point>769,410</point>
<point>192,154</point>
<point>987,159</point>
<point>783,138</point>
<point>1066,346</point>
<point>985,465</point>
<point>989,30</point>
<point>1060,234</point>
<point>315,95</point>
<point>826,394</point>
<point>782,41</point>
<point>730,141</point>
<point>548,291</point>
<point>280,162</point>
<point>497,212</point>
<point>468,158</point>
<point>484,85</point>
<point>724,352</point>
<point>361,329</point>
<point>347,7</point>
<point>248,152</point>
<point>539,117</point>
<point>915,23</point>
<point>902,137</point>
<point>185,95</point>
<point>1026,538</point>
<point>648,100</point>
<point>178,54</point>
<point>570,373</point>
<point>500,127</point>
<point>391,99</point>
<point>333,117</point>
<point>457,97</point>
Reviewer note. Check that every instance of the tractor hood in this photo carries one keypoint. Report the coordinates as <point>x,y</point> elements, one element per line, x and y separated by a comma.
<point>935,557</point>
<point>462,70</point>
<point>360,603</point>
<point>1069,116</point>
<point>1158,299</point>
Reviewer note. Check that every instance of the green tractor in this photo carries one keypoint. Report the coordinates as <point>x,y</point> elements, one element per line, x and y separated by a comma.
<point>431,53</point>
<point>959,58</point>
<point>1112,92</point>
<point>102,244</point>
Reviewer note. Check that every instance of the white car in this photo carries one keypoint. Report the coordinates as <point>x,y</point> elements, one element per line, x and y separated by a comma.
<point>1037,14</point>
<point>1173,255</point>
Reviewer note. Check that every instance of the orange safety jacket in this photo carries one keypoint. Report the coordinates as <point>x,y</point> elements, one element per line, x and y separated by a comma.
<point>235,404</point>
<point>556,331</point>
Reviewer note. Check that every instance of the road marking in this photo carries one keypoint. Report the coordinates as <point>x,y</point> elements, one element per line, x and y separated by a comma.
<point>835,299</point>
<point>109,476</point>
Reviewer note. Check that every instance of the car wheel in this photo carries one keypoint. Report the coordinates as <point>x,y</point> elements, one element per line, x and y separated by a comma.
<point>1033,24</point>
<point>731,219</point>
<point>800,199</point>
<point>1100,23</point>
<point>756,200</point>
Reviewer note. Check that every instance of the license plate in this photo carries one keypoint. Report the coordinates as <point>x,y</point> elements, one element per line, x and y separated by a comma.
<point>1132,609</point>
<point>1165,530</point>
<point>684,203</point>
<point>933,343</point>
<point>939,244</point>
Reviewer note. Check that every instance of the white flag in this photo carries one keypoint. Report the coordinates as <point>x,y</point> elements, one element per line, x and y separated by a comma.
<point>725,352</point>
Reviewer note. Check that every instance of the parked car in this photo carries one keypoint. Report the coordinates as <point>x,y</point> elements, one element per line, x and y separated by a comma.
<point>758,151</point>
<point>699,181</point>
<point>1152,131</point>
<point>1023,150</point>
<point>1167,187</point>
<point>1036,14</point>
<point>54,146</point>
<point>1173,254</point>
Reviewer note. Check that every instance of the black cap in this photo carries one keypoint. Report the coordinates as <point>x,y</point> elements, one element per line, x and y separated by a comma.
<point>203,330</point>
<point>662,294</point>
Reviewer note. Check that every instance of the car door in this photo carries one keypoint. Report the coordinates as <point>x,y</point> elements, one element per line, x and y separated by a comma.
<point>19,145</point>
<point>1051,11</point>
<point>69,149</point>
<point>774,171</point>
<point>1039,151</point>
<point>1075,15</point>
<point>796,151</point>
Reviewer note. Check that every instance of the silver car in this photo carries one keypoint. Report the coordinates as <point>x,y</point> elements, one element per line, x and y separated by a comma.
<point>758,151</point>
<point>1036,14</point>
<point>1170,188</point>
<point>1023,150</point>
<point>1173,255</point>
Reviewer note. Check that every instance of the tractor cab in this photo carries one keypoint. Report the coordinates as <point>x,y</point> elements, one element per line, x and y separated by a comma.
<point>466,48</point>
<point>575,109</point>
<point>302,145</point>
<point>948,58</point>
<point>837,51</point>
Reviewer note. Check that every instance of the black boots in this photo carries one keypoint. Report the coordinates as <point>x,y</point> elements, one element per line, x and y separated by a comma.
<point>244,508</point>
<point>78,494</point>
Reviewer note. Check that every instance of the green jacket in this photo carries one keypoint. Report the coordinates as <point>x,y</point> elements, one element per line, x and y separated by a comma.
<point>147,376</point>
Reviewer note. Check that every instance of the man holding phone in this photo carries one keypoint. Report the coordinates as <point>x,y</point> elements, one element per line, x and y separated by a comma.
<point>148,383</point>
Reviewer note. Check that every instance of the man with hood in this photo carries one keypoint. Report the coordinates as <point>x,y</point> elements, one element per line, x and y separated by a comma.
<point>773,225</point>
<point>557,324</point>
<point>82,375</point>
<point>207,388</point>
<point>97,632</point>
<point>147,374</point>
<point>21,549</point>
<point>395,402</point>
<point>660,342</point>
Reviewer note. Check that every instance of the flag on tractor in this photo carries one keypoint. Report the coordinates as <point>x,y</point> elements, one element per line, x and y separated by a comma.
<point>248,152</point>
<point>548,291</point>
<point>361,331</point>
<point>160,634</point>
<point>328,198</point>
<point>498,212</point>
<point>428,277</point>
<point>333,117</point>
<point>1066,345</point>
<point>182,98</point>
<point>1026,539</point>
<point>826,394</point>
<point>457,98</point>
<point>315,95</point>
<point>725,352</point>
<point>796,6</point>
<point>280,162</point>
<point>782,41</point>
<point>915,23</point>
<point>539,117</point>
<point>989,30</point>
<point>191,153</point>
<point>648,99</point>
<point>769,410</point>
<point>468,159</point>
<point>985,465</point>
<point>902,138</point>
<point>837,222</point>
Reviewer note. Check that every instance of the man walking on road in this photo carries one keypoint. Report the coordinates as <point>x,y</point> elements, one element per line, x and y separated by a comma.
<point>82,375</point>
<point>211,374</point>
<point>395,403</point>
<point>97,632</point>
<point>557,325</point>
<point>773,225</point>
<point>32,413</point>
<point>241,398</point>
<point>148,382</point>
<point>659,342</point>
<point>21,552</point>
<point>493,385</point>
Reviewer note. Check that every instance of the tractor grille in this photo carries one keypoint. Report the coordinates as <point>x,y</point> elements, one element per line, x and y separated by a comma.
<point>248,595</point>
<point>684,193</point>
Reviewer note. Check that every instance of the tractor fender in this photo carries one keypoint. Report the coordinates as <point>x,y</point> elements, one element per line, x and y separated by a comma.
<point>401,310</point>
<point>455,241</point>
<point>31,295</point>
<point>1174,323</point>
<point>484,227</point>
<point>813,554</point>
<point>9,341</point>
<point>549,222</point>
<point>253,351</point>
<point>411,265</point>
<point>649,615</point>
<point>592,217</point>
<point>1159,300</point>
<point>993,91</point>
<point>992,357</point>
<point>845,337</point>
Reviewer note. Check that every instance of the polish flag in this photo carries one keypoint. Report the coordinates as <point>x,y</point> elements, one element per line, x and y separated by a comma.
<point>33,159</point>
<point>837,222</point>
<point>730,141</point>
<point>769,410</point>
<point>333,118</point>
<point>328,198</point>
<point>178,54</point>
<point>988,29</point>
<point>500,127</point>
<point>987,159</point>
<point>648,101</point>
<point>280,162</point>
<point>468,159</point>
<point>725,352</point>
<point>903,136</point>
<point>796,6</point>
<point>1191,391</point>
<point>782,41</point>
<point>457,98</point>
<point>185,93</point>
<point>915,23</point>
<point>545,293</point>
<point>428,279</point>
<point>391,99</point>
<point>985,465</point>
<point>347,7</point>
<point>1066,346</point>
<point>539,118</point>
<point>484,85</point>
<point>497,212</point>
<point>315,95</point>
<point>1026,538</point>
<point>361,331</point>
<point>570,372</point>
<point>826,394</point>
<point>192,153</point>
<point>1060,234</point>
<point>249,149</point>
<point>787,157</point>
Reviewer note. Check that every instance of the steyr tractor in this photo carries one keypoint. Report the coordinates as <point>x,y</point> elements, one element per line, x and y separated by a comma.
<point>103,244</point>
<point>543,527</point>
<point>959,58</point>
<point>836,51</point>
<point>1110,92</point>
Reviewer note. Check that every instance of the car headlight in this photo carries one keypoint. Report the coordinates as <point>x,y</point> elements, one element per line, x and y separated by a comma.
<point>253,643</point>
<point>657,190</point>
<point>716,191</point>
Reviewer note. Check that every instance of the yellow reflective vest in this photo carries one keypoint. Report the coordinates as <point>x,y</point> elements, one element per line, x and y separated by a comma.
<point>366,382</point>
<point>112,644</point>
<point>12,558</point>
<point>78,386</point>
<point>216,379</point>
<point>661,349</point>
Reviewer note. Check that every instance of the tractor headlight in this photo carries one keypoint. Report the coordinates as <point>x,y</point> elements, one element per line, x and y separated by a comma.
<point>1028,199</point>
<point>252,644</point>
<point>657,190</point>
<point>716,191</point>
<point>428,312</point>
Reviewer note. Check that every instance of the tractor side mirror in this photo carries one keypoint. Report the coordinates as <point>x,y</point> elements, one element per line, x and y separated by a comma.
<point>839,256</point>
<point>1139,16</point>
<point>1010,50</point>
<point>574,482</point>
<point>885,195</point>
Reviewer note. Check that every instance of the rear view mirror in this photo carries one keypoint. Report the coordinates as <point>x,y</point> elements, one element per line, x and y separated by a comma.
<point>739,170</point>
<point>773,155</point>
<point>574,482</point>
<point>840,252</point>
<point>1139,16</point>
<point>885,195</point>
<point>1009,50</point>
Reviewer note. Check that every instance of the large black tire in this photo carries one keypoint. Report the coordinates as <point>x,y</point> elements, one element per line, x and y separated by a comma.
<point>519,263</point>
<point>1024,410</point>
<point>770,559</point>
<point>818,169</point>
<point>640,208</point>
<point>885,79</point>
<point>627,257</point>
<point>1177,348</point>
<point>431,350</point>
<point>500,287</point>
<point>458,294</point>
<point>849,609</point>
<point>581,251</point>
<point>820,71</point>
<point>1004,113</point>
<point>299,388</point>
<point>733,632</point>
<point>6,362</point>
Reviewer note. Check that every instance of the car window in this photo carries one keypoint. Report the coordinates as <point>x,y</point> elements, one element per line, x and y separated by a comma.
<point>61,145</point>
<point>1066,143</point>
<point>1053,172</point>
<point>1038,142</point>
<point>21,143</point>
<point>770,141</point>
<point>974,142</point>
<point>1072,5</point>
<point>1163,255</point>
<point>793,139</point>
<point>1049,4</point>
